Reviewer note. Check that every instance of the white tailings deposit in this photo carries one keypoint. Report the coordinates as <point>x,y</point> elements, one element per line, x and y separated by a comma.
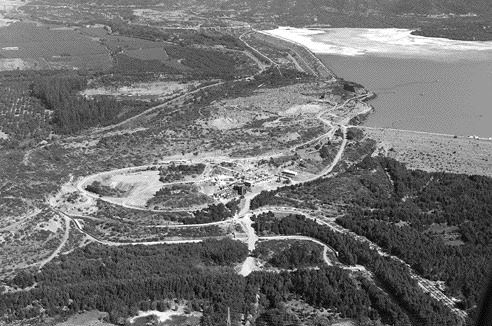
<point>391,42</point>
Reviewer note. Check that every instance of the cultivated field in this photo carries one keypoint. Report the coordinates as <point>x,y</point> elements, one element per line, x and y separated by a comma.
<point>21,114</point>
<point>42,47</point>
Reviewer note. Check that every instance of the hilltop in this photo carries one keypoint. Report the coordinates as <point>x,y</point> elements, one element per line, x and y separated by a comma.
<point>465,20</point>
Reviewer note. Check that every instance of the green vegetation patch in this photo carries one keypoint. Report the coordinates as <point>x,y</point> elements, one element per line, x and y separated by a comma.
<point>119,280</point>
<point>103,190</point>
<point>44,43</point>
<point>129,64</point>
<point>176,172</point>
<point>394,206</point>
<point>178,196</point>
<point>290,254</point>
<point>72,112</point>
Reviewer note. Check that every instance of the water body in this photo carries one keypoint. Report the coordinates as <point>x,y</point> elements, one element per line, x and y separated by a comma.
<point>425,84</point>
<point>424,95</point>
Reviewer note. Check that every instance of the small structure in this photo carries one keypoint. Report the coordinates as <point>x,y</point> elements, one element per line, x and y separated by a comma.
<point>289,173</point>
<point>242,188</point>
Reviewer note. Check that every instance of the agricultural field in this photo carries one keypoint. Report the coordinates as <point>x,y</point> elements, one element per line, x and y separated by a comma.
<point>51,48</point>
<point>22,116</point>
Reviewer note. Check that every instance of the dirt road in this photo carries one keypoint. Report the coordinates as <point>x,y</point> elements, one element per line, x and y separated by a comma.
<point>158,107</point>
<point>304,238</point>
<point>60,246</point>
<point>426,285</point>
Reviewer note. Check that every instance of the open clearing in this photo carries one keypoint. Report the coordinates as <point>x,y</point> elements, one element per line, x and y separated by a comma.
<point>7,64</point>
<point>163,316</point>
<point>40,47</point>
<point>303,109</point>
<point>154,90</point>
<point>139,186</point>
<point>148,54</point>
<point>89,318</point>
<point>434,152</point>
<point>276,100</point>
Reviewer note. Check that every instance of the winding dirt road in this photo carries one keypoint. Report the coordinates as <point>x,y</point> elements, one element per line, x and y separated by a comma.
<point>57,251</point>
<point>304,238</point>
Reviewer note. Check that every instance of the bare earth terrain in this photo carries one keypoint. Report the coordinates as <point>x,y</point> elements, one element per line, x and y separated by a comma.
<point>434,152</point>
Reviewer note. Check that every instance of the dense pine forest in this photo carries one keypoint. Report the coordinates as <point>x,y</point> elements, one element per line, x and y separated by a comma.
<point>73,112</point>
<point>175,172</point>
<point>123,280</point>
<point>439,223</point>
<point>393,275</point>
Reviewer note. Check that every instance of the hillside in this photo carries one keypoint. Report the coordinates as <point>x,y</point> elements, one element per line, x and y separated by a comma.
<point>466,20</point>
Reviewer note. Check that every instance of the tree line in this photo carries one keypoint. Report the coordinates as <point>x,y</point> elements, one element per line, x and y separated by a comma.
<point>122,280</point>
<point>175,172</point>
<point>73,112</point>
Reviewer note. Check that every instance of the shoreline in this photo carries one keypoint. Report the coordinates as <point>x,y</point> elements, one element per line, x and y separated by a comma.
<point>362,118</point>
<point>382,42</point>
<point>320,62</point>
<point>302,37</point>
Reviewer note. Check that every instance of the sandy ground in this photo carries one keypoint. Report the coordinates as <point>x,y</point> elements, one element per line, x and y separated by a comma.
<point>52,225</point>
<point>272,100</point>
<point>3,135</point>
<point>434,152</point>
<point>164,315</point>
<point>306,108</point>
<point>7,64</point>
<point>226,123</point>
<point>142,186</point>
<point>344,323</point>
<point>159,89</point>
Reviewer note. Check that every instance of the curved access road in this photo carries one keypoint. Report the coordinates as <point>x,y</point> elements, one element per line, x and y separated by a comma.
<point>303,238</point>
<point>57,251</point>
<point>425,284</point>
